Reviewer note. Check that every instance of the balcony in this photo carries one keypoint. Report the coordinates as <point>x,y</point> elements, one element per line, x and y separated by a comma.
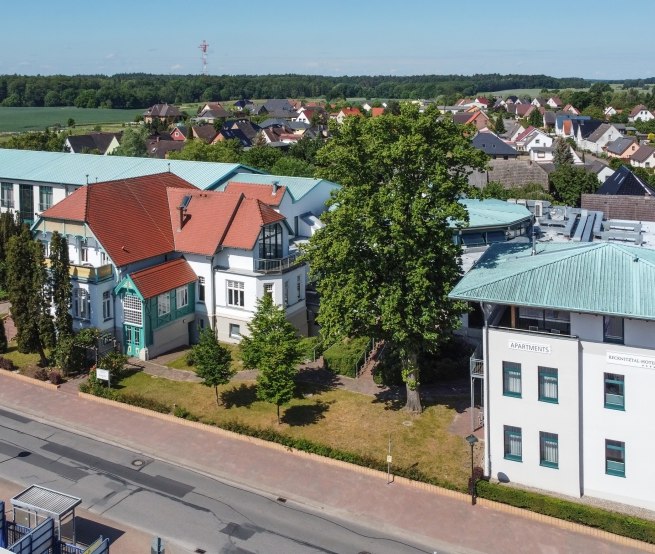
<point>88,273</point>
<point>476,364</point>
<point>276,265</point>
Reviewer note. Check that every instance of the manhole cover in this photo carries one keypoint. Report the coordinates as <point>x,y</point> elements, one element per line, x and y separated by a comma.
<point>138,463</point>
<point>408,423</point>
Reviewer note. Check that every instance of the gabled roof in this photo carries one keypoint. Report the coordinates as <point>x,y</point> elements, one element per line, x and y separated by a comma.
<point>298,187</point>
<point>160,148</point>
<point>350,111</point>
<point>625,182</point>
<point>492,145</point>
<point>597,277</point>
<point>377,112</point>
<point>637,109</point>
<point>271,195</point>
<point>129,217</point>
<point>92,141</point>
<point>248,220</point>
<point>162,278</point>
<point>206,133</point>
<point>590,129</point>
<point>620,145</point>
<point>163,110</point>
<point>645,151</point>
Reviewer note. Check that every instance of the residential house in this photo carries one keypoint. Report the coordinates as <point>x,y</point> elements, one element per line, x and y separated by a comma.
<point>600,169</point>
<point>165,113</point>
<point>644,157</point>
<point>205,133</point>
<point>622,147</point>
<point>565,368</point>
<point>593,134</point>
<point>377,112</point>
<point>532,138</point>
<point>513,129</point>
<point>180,133</point>
<point>569,108</point>
<point>157,147</point>
<point>347,112</point>
<point>539,102</point>
<point>521,110</point>
<point>211,112</point>
<point>609,112</point>
<point>278,135</point>
<point>564,123</point>
<point>625,183</point>
<point>491,145</point>
<point>243,104</point>
<point>279,108</point>
<point>477,118</point>
<point>555,102</point>
<point>33,181</point>
<point>165,260</point>
<point>307,114</point>
<point>640,113</point>
<point>92,143</point>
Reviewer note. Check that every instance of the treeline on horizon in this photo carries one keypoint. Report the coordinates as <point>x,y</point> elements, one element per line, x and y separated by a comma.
<point>141,90</point>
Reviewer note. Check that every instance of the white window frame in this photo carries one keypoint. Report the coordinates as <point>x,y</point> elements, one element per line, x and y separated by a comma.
<point>182,297</point>
<point>132,310</point>
<point>235,296</point>
<point>163,304</point>
<point>285,291</point>
<point>81,304</point>
<point>234,330</point>
<point>201,289</point>
<point>7,195</point>
<point>84,250</point>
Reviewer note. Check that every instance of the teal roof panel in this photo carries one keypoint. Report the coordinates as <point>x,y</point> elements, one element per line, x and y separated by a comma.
<point>494,213</point>
<point>80,169</point>
<point>600,277</point>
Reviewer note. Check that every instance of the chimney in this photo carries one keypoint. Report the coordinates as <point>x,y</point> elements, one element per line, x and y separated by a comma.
<point>534,242</point>
<point>276,186</point>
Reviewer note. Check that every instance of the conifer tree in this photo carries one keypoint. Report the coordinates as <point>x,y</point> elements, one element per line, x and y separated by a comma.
<point>3,337</point>
<point>60,285</point>
<point>562,152</point>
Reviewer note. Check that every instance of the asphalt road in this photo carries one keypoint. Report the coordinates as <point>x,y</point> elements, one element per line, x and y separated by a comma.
<point>194,513</point>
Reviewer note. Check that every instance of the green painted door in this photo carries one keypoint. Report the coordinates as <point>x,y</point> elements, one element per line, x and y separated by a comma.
<point>133,340</point>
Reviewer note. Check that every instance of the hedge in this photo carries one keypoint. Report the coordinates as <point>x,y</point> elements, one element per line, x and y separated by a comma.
<point>612,522</point>
<point>342,356</point>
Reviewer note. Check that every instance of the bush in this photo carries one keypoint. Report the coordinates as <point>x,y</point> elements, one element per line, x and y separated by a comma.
<point>115,363</point>
<point>619,524</point>
<point>342,356</point>
<point>55,377</point>
<point>6,363</point>
<point>68,356</point>
<point>181,412</point>
<point>189,358</point>
<point>41,374</point>
<point>141,401</point>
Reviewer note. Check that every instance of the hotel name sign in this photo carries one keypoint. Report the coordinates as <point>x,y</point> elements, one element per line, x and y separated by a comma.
<point>535,348</point>
<point>633,360</point>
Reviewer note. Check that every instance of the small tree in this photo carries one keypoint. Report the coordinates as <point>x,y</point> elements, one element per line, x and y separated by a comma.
<point>535,118</point>
<point>570,182</point>
<point>499,125</point>
<point>562,152</point>
<point>133,143</point>
<point>275,349</point>
<point>213,361</point>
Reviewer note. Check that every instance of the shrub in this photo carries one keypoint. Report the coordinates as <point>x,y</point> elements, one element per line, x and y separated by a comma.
<point>55,377</point>
<point>342,356</point>
<point>41,374</point>
<point>189,358</point>
<point>619,524</point>
<point>115,363</point>
<point>69,357</point>
<point>182,412</point>
<point>6,363</point>
<point>141,401</point>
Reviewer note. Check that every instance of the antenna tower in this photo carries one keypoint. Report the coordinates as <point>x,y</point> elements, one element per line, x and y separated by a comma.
<point>203,49</point>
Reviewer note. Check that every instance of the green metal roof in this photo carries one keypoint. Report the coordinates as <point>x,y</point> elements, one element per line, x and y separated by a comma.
<point>601,277</point>
<point>491,213</point>
<point>73,169</point>
<point>297,186</point>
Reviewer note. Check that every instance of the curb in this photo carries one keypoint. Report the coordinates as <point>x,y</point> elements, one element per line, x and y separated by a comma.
<point>433,489</point>
<point>30,380</point>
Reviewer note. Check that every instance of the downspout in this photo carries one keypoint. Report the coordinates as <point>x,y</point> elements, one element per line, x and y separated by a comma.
<point>485,349</point>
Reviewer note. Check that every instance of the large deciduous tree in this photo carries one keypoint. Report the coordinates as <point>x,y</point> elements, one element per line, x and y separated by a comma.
<point>273,348</point>
<point>213,361</point>
<point>385,260</point>
<point>570,182</point>
<point>26,285</point>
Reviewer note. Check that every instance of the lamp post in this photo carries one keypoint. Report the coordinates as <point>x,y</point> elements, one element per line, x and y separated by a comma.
<point>472,439</point>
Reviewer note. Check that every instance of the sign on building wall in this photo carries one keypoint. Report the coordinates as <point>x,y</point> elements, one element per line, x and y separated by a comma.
<point>536,348</point>
<point>633,360</point>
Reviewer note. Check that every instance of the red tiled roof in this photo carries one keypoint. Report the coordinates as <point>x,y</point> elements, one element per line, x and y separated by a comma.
<point>130,217</point>
<point>164,277</point>
<point>247,223</point>
<point>263,193</point>
<point>524,133</point>
<point>351,111</point>
<point>376,112</point>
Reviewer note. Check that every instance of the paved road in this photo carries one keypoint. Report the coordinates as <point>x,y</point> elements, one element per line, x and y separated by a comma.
<point>190,509</point>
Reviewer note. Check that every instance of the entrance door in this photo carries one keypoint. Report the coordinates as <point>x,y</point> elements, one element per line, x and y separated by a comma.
<point>26,199</point>
<point>132,340</point>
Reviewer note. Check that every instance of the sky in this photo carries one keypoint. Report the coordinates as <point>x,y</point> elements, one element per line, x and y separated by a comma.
<point>594,39</point>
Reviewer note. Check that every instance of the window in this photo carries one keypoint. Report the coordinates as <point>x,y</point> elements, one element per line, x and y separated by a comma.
<point>235,294</point>
<point>548,384</point>
<point>270,242</point>
<point>163,304</point>
<point>106,305</point>
<point>235,331</point>
<point>548,449</point>
<point>512,379</point>
<point>182,297</point>
<point>299,286</point>
<point>104,259</point>
<point>614,391</point>
<point>81,304</point>
<point>286,293</point>
<point>7,196</point>
<point>201,289</point>
<point>613,329</point>
<point>46,248</point>
<point>45,198</point>
<point>268,289</point>
<point>513,443</point>
<point>615,458</point>
<point>84,250</point>
<point>132,312</point>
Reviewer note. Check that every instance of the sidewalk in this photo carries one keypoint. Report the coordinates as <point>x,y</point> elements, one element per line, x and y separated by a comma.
<point>354,493</point>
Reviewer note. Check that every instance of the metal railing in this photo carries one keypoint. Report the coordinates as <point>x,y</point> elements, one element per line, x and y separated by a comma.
<point>88,272</point>
<point>276,265</point>
<point>476,363</point>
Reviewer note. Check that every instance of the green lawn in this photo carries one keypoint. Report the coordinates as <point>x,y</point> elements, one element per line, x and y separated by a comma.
<point>337,418</point>
<point>36,119</point>
<point>181,363</point>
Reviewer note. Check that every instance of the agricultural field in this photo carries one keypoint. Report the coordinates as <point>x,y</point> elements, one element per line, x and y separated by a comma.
<point>18,120</point>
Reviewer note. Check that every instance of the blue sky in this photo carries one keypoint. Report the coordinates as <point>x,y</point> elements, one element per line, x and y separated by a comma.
<point>596,39</point>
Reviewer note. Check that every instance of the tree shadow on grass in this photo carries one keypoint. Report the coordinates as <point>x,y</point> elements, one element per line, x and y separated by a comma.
<point>238,397</point>
<point>393,398</point>
<point>308,414</point>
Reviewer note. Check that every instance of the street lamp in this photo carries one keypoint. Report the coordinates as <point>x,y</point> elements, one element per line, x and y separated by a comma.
<point>472,439</point>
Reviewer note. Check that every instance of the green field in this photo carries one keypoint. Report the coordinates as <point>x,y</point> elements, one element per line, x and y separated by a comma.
<point>17,120</point>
